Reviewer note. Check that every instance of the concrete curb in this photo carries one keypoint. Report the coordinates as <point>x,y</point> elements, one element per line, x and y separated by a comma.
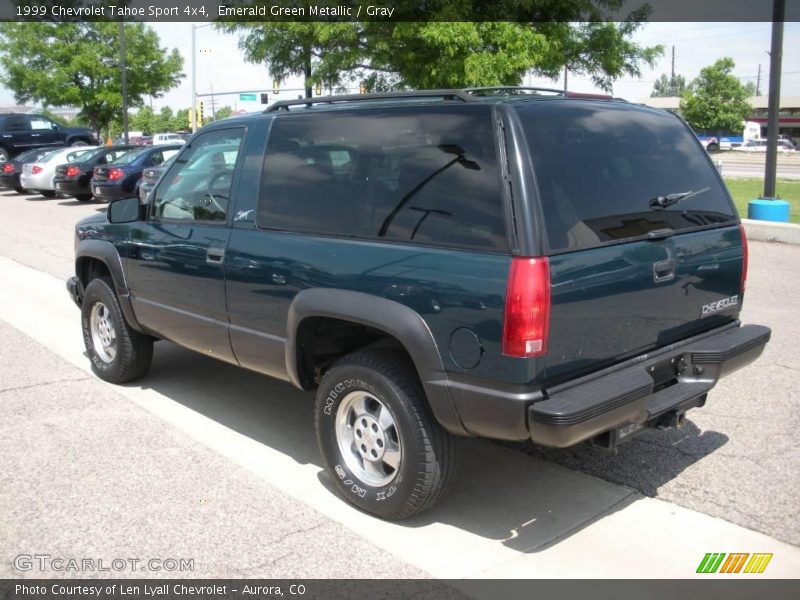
<point>767,231</point>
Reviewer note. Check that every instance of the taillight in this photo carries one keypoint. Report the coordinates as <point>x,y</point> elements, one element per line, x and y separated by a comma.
<point>8,168</point>
<point>527,314</point>
<point>36,169</point>
<point>115,174</point>
<point>745,256</point>
<point>72,171</point>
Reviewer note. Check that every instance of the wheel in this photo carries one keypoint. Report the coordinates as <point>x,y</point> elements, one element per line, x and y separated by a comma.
<point>378,437</point>
<point>84,197</point>
<point>118,353</point>
<point>3,155</point>
<point>47,193</point>
<point>19,189</point>
<point>78,143</point>
<point>713,148</point>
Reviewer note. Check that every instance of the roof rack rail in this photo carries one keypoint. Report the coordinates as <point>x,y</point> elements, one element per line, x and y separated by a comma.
<point>511,89</point>
<point>443,94</point>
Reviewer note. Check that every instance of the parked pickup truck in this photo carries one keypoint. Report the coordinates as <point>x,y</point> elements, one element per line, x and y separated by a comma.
<point>21,132</point>
<point>434,264</point>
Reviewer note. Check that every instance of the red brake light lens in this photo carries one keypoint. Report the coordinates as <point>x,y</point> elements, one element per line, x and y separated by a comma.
<point>745,257</point>
<point>8,168</point>
<point>526,323</point>
<point>36,169</point>
<point>115,174</point>
<point>72,171</point>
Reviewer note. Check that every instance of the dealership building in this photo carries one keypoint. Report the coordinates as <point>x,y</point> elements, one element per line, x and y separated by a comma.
<point>789,113</point>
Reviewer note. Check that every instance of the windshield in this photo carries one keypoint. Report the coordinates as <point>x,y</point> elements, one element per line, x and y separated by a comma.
<point>31,155</point>
<point>598,166</point>
<point>131,156</point>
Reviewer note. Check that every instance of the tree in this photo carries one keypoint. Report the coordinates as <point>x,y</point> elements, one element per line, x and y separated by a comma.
<point>716,100</point>
<point>450,50</point>
<point>222,113</point>
<point>321,52</point>
<point>750,88</point>
<point>76,64</point>
<point>667,87</point>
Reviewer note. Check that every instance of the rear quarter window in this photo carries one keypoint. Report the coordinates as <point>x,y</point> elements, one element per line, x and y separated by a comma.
<point>599,164</point>
<point>425,175</point>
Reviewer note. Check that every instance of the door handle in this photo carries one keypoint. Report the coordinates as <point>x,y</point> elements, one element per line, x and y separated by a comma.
<point>664,271</point>
<point>215,256</point>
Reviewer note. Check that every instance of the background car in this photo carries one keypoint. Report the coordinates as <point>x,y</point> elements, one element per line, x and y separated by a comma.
<point>11,169</point>
<point>168,138</point>
<point>21,132</point>
<point>761,146</point>
<point>38,176</point>
<point>121,178</point>
<point>150,177</point>
<point>72,179</point>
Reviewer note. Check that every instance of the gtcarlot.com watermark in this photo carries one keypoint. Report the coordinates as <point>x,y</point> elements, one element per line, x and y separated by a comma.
<point>46,562</point>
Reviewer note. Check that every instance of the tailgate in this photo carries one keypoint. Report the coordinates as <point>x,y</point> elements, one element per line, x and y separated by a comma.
<point>644,243</point>
<point>612,303</point>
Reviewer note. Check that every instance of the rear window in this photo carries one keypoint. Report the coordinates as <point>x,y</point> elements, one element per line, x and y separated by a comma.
<point>599,165</point>
<point>426,175</point>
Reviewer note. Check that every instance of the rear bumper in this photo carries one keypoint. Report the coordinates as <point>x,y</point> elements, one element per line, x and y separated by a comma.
<point>71,187</point>
<point>619,400</point>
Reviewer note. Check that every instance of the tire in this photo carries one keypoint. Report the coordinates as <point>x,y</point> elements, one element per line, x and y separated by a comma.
<point>47,193</point>
<point>77,143</point>
<point>713,148</point>
<point>84,197</point>
<point>118,353</point>
<point>4,156</point>
<point>377,397</point>
<point>19,189</point>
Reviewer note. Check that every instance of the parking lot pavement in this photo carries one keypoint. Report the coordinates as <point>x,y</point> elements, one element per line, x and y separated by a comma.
<point>508,514</point>
<point>739,456</point>
<point>88,474</point>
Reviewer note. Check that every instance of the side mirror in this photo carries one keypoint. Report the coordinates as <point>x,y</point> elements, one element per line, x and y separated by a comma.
<point>125,210</point>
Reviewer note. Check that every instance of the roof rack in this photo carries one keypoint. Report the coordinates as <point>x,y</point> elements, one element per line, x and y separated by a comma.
<point>461,95</point>
<point>512,90</point>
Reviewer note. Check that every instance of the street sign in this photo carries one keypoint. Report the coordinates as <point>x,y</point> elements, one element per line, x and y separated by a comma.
<point>247,97</point>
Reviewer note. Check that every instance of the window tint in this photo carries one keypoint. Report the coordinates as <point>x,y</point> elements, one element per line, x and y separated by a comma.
<point>17,123</point>
<point>598,165</point>
<point>198,184</point>
<point>427,175</point>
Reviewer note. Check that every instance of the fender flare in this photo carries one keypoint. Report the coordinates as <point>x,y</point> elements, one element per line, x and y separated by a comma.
<point>397,320</point>
<point>107,254</point>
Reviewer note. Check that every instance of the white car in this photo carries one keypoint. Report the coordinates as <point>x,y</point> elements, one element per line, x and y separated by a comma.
<point>761,146</point>
<point>168,138</point>
<point>38,176</point>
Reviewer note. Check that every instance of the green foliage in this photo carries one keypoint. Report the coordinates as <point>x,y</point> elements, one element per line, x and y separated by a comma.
<point>716,100</point>
<point>667,87</point>
<point>77,64</point>
<point>222,113</point>
<point>447,53</point>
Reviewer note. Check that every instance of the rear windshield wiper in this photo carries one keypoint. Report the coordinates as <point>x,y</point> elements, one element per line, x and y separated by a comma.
<point>662,202</point>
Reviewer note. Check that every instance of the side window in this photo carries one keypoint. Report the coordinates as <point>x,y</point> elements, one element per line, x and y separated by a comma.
<point>156,158</point>
<point>40,123</point>
<point>197,186</point>
<point>18,123</point>
<point>427,175</point>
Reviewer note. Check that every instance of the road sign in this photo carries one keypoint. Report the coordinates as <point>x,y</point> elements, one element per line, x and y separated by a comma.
<point>247,97</point>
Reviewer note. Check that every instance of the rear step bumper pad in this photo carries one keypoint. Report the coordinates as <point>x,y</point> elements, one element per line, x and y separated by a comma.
<point>627,394</point>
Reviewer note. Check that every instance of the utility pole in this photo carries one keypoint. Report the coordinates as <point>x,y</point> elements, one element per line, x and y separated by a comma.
<point>672,73</point>
<point>194,82</point>
<point>565,77</point>
<point>124,77</point>
<point>758,81</point>
<point>775,57</point>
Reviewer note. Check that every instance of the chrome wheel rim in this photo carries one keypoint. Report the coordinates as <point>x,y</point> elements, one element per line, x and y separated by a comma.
<point>104,337</point>
<point>368,438</point>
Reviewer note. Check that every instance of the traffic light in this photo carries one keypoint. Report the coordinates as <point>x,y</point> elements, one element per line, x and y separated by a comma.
<point>264,98</point>
<point>200,113</point>
<point>318,89</point>
<point>276,86</point>
<point>191,118</point>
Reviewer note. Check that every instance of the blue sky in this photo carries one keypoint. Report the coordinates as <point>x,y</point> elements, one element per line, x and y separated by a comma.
<point>221,66</point>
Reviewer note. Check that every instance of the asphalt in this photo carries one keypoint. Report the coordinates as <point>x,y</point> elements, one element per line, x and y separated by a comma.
<point>206,459</point>
<point>746,165</point>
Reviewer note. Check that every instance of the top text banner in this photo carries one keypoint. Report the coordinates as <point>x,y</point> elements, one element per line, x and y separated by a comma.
<point>395,10</point>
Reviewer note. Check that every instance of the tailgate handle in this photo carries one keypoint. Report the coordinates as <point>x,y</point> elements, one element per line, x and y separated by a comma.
<point>664,271</point>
